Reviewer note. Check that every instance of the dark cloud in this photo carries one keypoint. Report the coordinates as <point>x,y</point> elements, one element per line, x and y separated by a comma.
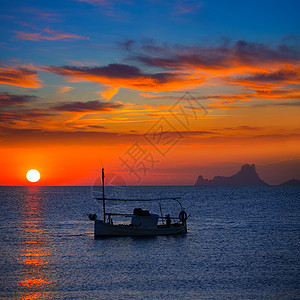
<point>128,76</point>
<point>204,60</point>
<point>111,70</point>
<point>282,75</point>
<point>31,115</point>
<point>96,127</point>
<point>288,103</point>
<point>7,99</point>
<point>252,53</point>
<point>114,71</point>
<point>284,103</point>
<point>127,44</point>
<point>89,106</point>
<point>225,56</point>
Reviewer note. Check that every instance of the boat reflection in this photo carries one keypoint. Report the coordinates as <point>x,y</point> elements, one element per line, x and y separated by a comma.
<point>34,281</point>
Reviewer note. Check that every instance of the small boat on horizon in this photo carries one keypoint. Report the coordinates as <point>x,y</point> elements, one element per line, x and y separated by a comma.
<point>143,223</point>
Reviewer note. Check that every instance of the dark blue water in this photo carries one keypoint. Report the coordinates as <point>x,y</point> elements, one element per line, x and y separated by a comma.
<point>242,243</point>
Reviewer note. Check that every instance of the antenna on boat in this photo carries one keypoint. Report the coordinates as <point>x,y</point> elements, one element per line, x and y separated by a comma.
<point>103,197</point>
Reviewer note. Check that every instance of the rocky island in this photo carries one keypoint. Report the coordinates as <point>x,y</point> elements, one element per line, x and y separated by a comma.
<point>292,182</point>
<point>247,176</point>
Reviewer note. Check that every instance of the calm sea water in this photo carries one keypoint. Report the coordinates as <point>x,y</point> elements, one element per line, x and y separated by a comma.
<point>242,243</point>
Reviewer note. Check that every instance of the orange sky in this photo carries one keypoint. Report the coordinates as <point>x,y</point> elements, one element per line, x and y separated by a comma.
<point>158,106</point>
<point>164,151</point>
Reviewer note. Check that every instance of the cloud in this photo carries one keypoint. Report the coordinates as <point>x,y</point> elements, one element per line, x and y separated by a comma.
<point>96,127</point>
<point>48,34</point>
<point>48,15</point>
<point>53,117</point>
<point>92,134</point>
<point>89,106</point>
<point>97,2</point>
<point>285,75</point>
<point>238,57</point>
<point>23,117</point>
<point>113,71</point>
<point>179,67</point>
<point>10,100</point>
<point>65,89</point>
<point>272,93</point>
<point>21,77</point>
<point>187,6</point>
<point>29,137</point>
<point>258,105</point>
<point>111,8</point>
<point>261,69</point>
<point>261,93</point>
<point>291,104</point>
<point>250,128</point>
<point>148,95</point>
<point>108,93</point>
<point>128,76</point>
<point>287,103</point>
<point>106,3</point>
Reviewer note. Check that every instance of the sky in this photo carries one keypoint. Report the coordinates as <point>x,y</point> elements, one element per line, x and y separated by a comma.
<point>156,92</point>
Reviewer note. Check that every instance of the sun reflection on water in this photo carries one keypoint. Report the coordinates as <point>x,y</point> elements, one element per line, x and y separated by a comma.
<point>34,257</point>
<point>34,296</point>
<point>34,253</point>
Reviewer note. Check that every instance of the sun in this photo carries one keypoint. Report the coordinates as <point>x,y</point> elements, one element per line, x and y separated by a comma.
<point>33,175</point>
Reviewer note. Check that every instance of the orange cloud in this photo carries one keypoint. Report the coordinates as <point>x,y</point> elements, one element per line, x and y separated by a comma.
<point>21,77</point>
<point>278,94</point>
<point>148,95</point>
<point>253,65</point>
<point>127,76</point>
<point>65,89</point>
<point>48,34</point>
<point>285,75</point>
<point>264,93</point>
<point>108,93</point>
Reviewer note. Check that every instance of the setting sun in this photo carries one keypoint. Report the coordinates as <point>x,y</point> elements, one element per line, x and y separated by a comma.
<point>33,175</point>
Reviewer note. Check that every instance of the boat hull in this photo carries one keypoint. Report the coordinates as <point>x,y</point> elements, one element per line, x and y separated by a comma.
<point>106,230</point>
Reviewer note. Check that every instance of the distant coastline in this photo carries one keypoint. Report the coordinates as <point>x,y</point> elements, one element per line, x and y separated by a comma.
<point>247,176</point>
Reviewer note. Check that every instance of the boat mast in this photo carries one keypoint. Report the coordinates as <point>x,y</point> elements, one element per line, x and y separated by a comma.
<point>103,198</point>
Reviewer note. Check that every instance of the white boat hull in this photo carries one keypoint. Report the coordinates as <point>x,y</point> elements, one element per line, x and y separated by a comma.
<point>105,230</point>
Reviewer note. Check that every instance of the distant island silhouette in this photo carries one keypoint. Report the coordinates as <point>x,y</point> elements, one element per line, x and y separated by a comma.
<point>292,182</point>
<point>247,176</point>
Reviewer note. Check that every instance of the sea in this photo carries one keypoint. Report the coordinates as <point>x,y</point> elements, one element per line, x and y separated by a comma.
<point>242,243</point>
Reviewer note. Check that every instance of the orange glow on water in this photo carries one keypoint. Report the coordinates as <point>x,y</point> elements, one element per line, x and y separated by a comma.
<point>32,296</point>
<point>33,281</point>
<point>34,253</point>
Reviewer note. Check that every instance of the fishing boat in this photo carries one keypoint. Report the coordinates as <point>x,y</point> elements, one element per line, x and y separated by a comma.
<point>143,223</point>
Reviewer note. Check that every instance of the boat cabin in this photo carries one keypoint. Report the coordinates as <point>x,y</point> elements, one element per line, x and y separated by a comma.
<point>143,219</point>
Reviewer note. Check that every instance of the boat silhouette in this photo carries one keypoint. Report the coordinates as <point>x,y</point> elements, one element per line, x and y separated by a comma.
<point>143,223</point>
